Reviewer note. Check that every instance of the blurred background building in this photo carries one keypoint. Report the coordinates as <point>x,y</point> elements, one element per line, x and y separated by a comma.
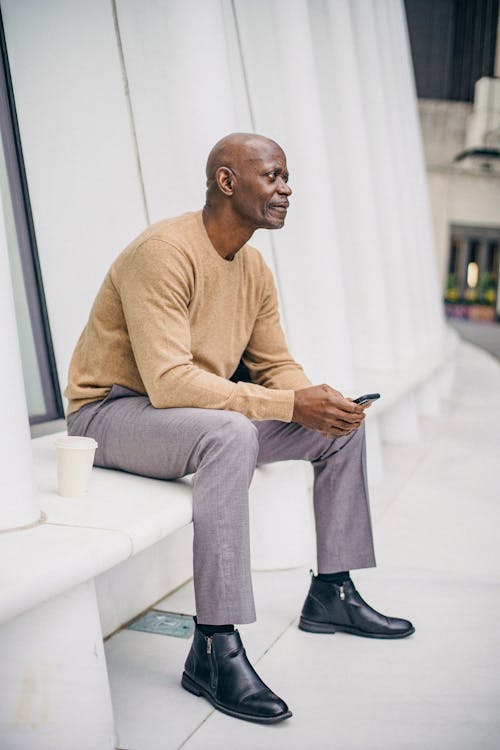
<point>108,110</point>
<point>457,67</point>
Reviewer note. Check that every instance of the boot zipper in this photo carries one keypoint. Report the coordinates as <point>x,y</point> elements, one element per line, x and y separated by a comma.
<point>211,663</point>
<point>342,593</point>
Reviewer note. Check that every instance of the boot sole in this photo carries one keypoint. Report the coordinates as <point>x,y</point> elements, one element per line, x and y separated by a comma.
<point>310,626</point>
<point>192,687</point>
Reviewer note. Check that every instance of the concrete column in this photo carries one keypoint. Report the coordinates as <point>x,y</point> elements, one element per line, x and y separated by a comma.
<point>18,503</point>
<point>54,689</point>
<point>294,544</point>
<point>399,424</point>
<point>462,260</point>
<point>178,49</point>
<point>396,103</point>
<point>431,317</point>
<point>484,121</point>
<point>381,153</point>
<point>482,257</point>
<point>427,395</point>
<point>361,242</point>
<point>285,105</point>
<point>445,379</point>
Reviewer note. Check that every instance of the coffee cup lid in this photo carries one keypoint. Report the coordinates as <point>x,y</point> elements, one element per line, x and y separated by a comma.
<point>75,441</point>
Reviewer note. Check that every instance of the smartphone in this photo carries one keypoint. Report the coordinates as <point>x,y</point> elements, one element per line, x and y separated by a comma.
<point>366,398</point>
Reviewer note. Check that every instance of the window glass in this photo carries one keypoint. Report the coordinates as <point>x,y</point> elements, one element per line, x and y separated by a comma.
<point>32,381</point>
<point>40,376</point>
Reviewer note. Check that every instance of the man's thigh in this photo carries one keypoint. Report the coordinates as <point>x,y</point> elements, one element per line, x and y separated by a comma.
<point>285,441</point>
<point>134,436</point>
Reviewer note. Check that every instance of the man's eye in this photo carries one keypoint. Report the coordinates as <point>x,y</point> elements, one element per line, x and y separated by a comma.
<point>271,175</point>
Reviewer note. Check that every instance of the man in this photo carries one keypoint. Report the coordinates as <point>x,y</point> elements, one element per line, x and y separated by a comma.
<point>150,380</point>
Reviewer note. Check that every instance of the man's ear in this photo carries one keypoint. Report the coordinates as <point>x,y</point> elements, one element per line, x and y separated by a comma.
<point>225,180</point>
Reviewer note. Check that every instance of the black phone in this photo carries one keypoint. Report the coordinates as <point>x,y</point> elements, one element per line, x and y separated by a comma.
<point>366,398</point>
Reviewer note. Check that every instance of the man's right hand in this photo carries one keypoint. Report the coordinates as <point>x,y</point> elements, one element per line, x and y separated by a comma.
<point>324,409</point>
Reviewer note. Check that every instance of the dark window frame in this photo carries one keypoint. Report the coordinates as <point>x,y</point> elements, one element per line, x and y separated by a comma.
<point>30,263</point>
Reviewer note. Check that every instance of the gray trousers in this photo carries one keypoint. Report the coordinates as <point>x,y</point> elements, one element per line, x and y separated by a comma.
<point>222,449</point>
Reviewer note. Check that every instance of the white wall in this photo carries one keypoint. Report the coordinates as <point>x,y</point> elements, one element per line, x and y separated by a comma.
<point>443,126</point>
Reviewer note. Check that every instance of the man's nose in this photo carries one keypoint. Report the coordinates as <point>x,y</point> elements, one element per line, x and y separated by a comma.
<point>284,188</point>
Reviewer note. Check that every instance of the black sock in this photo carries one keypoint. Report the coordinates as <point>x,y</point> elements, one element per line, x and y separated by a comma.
<point>338,578</point>
<point>211,629</point>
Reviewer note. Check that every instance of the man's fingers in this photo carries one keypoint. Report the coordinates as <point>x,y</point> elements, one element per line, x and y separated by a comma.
<point>337,431</point>
<point>346,409</point>
<point>344,418</point>
<point>350,406</point>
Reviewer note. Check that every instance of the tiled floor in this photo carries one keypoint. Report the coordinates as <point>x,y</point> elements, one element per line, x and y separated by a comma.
<point>436,520</point>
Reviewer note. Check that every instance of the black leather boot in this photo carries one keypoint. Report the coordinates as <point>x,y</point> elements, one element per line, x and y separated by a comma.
<point>218,669</point>
<point>330,607</point>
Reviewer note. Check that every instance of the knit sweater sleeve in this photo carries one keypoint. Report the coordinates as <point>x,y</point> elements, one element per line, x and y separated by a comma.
<point>267,356</point>
<point>155,289</point>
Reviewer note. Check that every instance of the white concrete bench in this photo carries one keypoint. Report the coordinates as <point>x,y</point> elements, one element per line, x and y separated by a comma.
<point>133,535</point>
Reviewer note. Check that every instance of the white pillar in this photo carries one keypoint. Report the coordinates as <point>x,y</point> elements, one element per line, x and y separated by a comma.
<point>399,423</point>
<point>181,82</point>
<point>393,233</point>
<point>396,105</point>
<point>282,537</point>
<point>427,395</point>
<point>54,689</point>
<point>446,379</point>
<point>425,271</point>
<point>18,502</point>
<point>362,251</point>
<point>278,58</point>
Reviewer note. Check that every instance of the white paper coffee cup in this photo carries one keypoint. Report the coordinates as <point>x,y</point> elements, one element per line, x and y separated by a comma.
<point>75,457</point>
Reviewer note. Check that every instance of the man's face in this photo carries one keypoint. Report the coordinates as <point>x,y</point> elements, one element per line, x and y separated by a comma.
<point>261,188</point>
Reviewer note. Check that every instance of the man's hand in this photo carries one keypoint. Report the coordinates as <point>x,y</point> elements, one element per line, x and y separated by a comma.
<point>324,409</point>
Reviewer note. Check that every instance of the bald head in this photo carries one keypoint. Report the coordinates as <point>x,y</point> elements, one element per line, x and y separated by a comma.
<point>247,189</point>
<point>237,152</point>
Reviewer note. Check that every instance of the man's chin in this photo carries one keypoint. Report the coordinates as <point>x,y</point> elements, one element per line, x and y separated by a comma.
<point>275,223</point>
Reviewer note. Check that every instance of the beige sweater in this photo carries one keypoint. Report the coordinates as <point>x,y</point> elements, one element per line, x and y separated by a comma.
<point>172,320</point>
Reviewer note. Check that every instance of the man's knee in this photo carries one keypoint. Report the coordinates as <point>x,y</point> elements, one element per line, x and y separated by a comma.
<point>235,432</point>
<point>354,441</point>
<point>361,430</point>
<point>356,436</point>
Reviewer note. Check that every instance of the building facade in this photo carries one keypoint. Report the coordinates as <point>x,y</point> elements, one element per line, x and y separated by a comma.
<point>456,57</point>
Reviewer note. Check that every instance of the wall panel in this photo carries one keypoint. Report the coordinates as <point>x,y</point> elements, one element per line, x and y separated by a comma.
<point>181,93</point>
<point>80,160</point>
